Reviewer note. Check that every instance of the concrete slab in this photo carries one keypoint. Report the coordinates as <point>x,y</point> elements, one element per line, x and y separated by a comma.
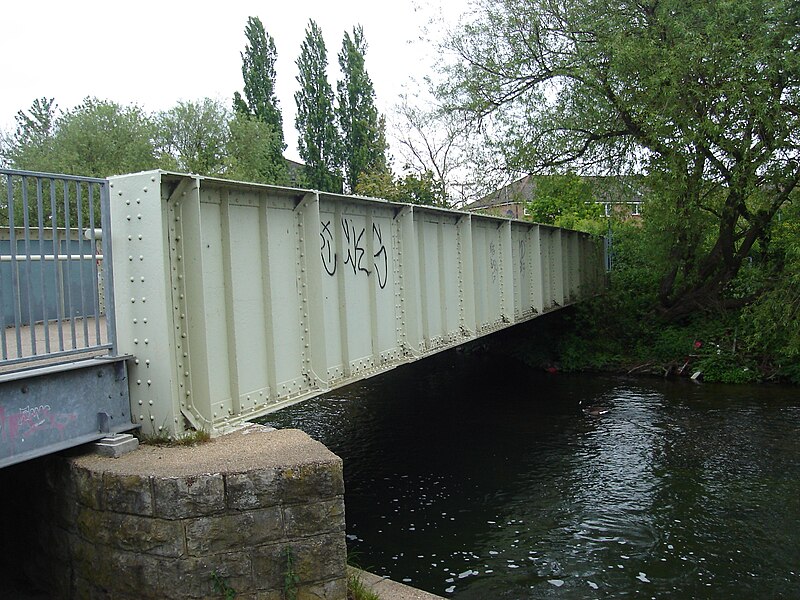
<point>391,590</point>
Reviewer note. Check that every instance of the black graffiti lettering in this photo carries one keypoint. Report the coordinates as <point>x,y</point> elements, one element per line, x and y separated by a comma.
<point>355,253</point>
<point>326,251</point>
<point>381,257</point>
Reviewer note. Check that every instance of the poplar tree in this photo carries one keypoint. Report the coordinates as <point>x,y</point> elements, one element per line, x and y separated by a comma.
<point>260,102</point>
<point>318,139</point>
<point>362,128</point>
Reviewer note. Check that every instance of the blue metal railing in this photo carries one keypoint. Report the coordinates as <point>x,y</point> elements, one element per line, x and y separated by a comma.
<point>56,280</point>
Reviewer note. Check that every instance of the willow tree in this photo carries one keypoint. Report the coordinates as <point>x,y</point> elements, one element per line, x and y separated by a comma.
<point>703,96</point>
<point>318,139</point>
<point>362,128</point>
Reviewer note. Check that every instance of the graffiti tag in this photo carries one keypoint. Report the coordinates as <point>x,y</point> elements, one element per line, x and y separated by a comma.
<point>494,267</point>
<point>355,250</point>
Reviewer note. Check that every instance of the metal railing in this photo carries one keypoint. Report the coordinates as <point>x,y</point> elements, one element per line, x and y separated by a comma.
<point>56,281</point>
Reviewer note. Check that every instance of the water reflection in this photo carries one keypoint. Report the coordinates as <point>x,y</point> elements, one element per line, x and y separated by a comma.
<point>475,480</point>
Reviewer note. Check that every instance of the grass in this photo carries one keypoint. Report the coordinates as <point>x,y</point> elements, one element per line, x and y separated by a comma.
<point>357,589</point>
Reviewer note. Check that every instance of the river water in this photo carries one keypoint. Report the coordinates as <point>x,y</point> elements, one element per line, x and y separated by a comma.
<point>474,477</point>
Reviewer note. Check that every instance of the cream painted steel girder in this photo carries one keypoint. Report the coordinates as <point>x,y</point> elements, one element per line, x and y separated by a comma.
<point>237,299</point>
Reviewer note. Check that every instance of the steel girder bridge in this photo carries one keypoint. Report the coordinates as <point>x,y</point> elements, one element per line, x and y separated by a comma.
<point>230,300</point>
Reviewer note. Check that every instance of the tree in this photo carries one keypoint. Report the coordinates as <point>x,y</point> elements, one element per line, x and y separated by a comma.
<point>260,104</point>
<point>565,201</point>
<point>318,140</point>
<point>97,138</point>
<point>252,147</point>
<point>258,71</point>
<point>702,96</point>
<point>432,142</point>
<point>411,188</point>
<point>194,135</point>
<point>33,133</point>
<point>362,129</point>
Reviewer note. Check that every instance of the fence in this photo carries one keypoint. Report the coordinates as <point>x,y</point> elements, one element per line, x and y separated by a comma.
<point>56,284</point>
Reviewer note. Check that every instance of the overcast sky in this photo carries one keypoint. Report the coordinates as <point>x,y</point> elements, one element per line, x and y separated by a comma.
<point>154,53</point>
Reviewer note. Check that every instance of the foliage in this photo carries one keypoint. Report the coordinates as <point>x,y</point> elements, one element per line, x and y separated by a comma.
<point>261,157</point>
<point>258,71</point>
<point>97,138</point>
<point>774,320</point>
<point>425,189</point>
<point>194,135</point>
<point>221,585</point>
<point>362,128</point>
<point>566,201</point>
<point>357,589</point>
<point>290,579</point>
<point>701,95</point>
<point>318,140</point>
<point>252,149</point>
<point>432,142</point>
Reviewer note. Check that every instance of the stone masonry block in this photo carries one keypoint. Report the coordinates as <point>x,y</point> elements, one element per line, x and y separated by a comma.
<point>128,493</point>
<point>253,489</point>
<point>269,566</point>
<point>230,532</point>
<point>132,533</point>
<point>191,496</point>
<point>89,488</point>
<point>135,575</point>
<point>320,558</point>
<point>314,518</point>
<point>314,559</point>
<point>312,480</point>
<point>335,589</point>
<point>207,577</point>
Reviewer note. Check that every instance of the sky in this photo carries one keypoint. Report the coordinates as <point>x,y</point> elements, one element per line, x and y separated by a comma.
<point>154,54</point>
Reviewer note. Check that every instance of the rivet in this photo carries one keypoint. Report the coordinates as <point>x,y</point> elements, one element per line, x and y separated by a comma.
<point>138,382</point>
<point>135,340</point>
<point>140,402</point>
<point>139,216</point>
<point>140,236</point>
<point>144,298</point>
<point>146,341</point>
<point>130,237</point>
<point>142,279</point>
<point>152,418</point>
<point>141,257</point>
<point>141,417</point>
<point>133,300</point>
<point>145,189</point>
<point>151,404</point>
<point>149,382</point>
<point>128,217</point>
<point>130,257</point>
<point>132,279</point>
<point>147,362</point>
